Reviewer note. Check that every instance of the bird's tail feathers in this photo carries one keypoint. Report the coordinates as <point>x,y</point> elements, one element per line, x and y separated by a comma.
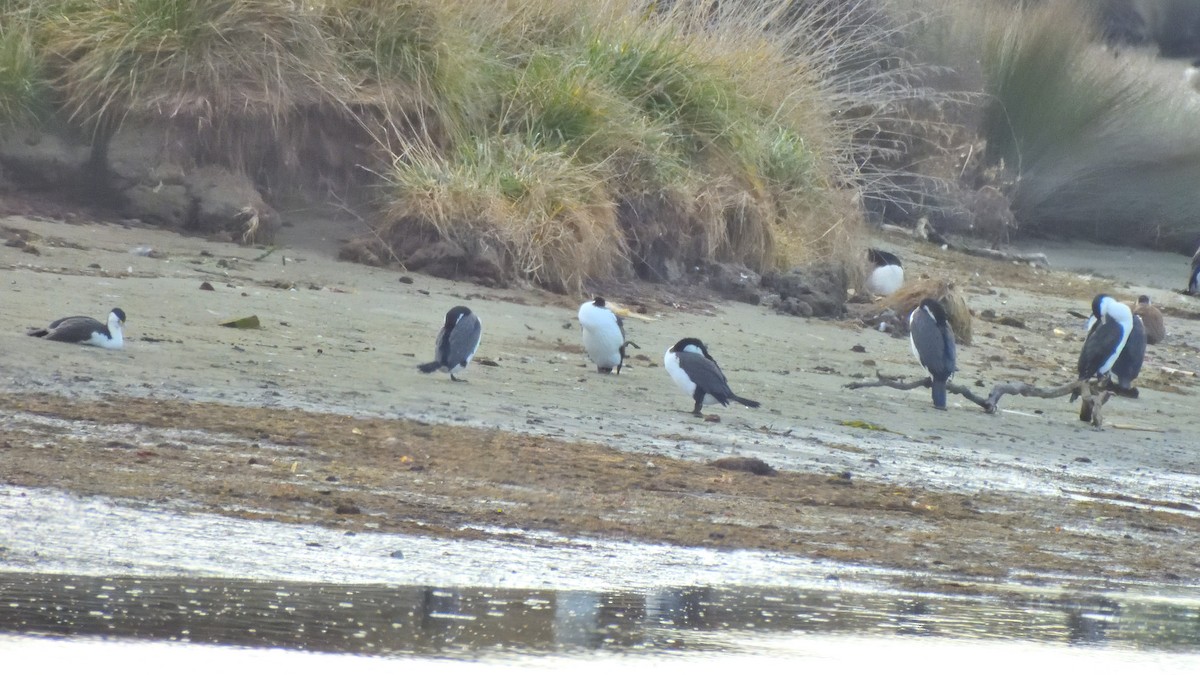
<point>939,394</point>
<point>429,367</point>
<point>37,332</point>
<point>745,401</point>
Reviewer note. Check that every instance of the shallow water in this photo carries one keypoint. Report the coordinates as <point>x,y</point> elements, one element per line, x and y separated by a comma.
<point>120,586</point>
<point>136,616</point>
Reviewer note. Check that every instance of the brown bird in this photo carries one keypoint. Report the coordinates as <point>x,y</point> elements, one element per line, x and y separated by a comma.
<point>1152,318</point>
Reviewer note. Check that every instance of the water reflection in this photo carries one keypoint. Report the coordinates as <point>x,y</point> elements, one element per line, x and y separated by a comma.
<point>378,619</point>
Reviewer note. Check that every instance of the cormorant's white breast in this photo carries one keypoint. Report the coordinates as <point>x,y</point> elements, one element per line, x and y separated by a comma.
<point>603,334</point>
<point>886,274</point>
<point>1129,362</point>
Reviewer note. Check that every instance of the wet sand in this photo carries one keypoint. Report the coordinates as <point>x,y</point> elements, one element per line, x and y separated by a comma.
<point>323,410</point>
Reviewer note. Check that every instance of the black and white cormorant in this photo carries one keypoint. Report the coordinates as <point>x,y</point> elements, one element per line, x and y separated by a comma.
<point>932,342</point>
<point>886,275</point>
<point>85,330</point>
<point>1109,328</point>
<point>604,334</point>
<point>456,343</point>
<point>1129,363</point>
<point>698,375</point>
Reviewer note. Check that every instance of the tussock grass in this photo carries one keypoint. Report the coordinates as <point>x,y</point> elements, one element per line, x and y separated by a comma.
<point>547,216</point>
<point>1101,144</point>
<point>24,92</point>
<point>706,136</point>
<point>579,140</point>
<point>197,59</point>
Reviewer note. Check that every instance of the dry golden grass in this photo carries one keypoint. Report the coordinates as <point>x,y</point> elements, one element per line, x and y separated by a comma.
<point>532,128</point>
<point>701,131</point>
<point>958,314</point>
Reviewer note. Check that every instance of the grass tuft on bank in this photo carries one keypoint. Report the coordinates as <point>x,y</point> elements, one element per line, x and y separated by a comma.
<point>577,140</point>
<point>23,92</point>
<point>701,136</point>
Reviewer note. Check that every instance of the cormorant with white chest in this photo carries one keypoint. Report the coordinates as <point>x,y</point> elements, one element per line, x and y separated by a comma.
<point>1109,329</point>
<point>698,375</point>
<point>604,334</point>
<point>886,275</point>
<point>85,330</point>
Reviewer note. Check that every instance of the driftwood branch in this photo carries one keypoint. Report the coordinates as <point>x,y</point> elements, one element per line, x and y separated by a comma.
<point>1094,394</point>
<point>899,383</point>
<point>1026,389</point>
<point>1035,259</point>
<point>925,232</point>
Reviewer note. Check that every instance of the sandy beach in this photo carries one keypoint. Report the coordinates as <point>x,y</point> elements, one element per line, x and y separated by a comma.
<point>321,416</point>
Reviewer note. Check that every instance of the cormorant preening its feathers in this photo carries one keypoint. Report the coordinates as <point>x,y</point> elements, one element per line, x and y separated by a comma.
<point>886,275</point>
<point>456,343</point>
<point>932,342</point>
<point>604,334</point>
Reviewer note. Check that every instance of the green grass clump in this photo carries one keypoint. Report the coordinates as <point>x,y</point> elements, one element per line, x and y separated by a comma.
<point>25,93</point>
<point>572,137</point>
<point>23,90</point>
<point>404,60</point>
<point>702,132</point>
<point>547,215</point>
<point>1099,145</point>
<point>200,59</point>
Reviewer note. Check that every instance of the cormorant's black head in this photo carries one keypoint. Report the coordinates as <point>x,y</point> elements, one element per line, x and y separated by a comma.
<point>455,315</point>
<point>1143,301</point>
<point>935,309</point>
<point>881,258</point>
<point>1098,305</point>
<point>599,301</point>
<point>693,345</point>
<point>120,313</point>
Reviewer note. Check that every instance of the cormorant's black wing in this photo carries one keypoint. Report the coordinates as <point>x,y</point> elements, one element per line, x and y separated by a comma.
<point>463,340</point>
<point>1101,341</point>
<point>1129,363</point>
<point>706,374</point>
<point>934,345</point>
<point>74,329</point>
